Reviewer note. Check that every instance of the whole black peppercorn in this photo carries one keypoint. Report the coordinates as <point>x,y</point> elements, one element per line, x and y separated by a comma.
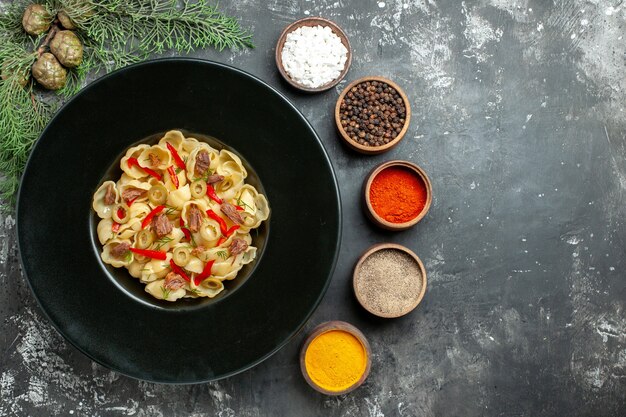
<point>372,113</point>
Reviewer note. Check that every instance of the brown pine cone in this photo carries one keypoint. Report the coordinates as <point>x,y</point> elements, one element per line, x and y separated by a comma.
<point>36,19</point>
<point>7,73</point>
<point>67,48</point>
<point>49,72</point>
<point>65,20</point>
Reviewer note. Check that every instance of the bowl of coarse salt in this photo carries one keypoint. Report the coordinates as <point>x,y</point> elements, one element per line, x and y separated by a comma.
<point>313,54</point>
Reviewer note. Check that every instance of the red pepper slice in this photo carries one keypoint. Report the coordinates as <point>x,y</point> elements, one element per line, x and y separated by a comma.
<point>150,215</point>
<point>115,227</point>
<point>210,192</point>
<point>134,162</point>
<point>130,202</point>
<point>155,254</point>
<point>239,208</point>
<point>228,234</point>
<point>206,272</point>
<point>173,176</point>
<point>186,231</point>
<point>152,173</point>
<point>217,218</point>
<point>178,270</point>
<point>232,230</point>
<point>121,213</point>
<point>177,159</point>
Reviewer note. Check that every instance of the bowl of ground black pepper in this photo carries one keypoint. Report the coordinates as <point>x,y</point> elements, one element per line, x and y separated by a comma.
<point>389,280</point>
<point>372,115</point>
<point>397,194</point>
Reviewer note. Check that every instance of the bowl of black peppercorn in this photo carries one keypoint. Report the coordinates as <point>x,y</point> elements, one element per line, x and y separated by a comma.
<point>372,115</point>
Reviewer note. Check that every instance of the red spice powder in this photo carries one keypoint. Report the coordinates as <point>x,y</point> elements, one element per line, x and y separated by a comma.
<point>398,194</point>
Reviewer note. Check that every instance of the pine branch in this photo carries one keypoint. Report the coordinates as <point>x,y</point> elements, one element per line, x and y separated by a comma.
<point>152,26</point>
<point>114,33</point>
<point>22,118</point>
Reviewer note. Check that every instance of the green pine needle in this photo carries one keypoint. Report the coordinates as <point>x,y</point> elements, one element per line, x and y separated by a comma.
<point>114,33</point>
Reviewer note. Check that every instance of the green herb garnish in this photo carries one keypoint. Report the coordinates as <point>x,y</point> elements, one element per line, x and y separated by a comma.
<point>242,203</point>
<point>162,241</point>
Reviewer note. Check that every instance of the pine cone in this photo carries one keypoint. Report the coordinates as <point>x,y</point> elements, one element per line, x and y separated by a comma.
<point>36,19</point>
<point>65,20</point>
<point>7,73</point>
<point>49,72</point>
<point>67,48</point>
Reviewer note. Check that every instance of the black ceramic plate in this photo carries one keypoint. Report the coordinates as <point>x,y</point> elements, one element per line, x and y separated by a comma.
<point>104,312</point>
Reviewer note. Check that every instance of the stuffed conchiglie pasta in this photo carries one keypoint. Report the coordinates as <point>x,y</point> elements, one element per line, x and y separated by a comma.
<point>175,138</point>
<point>128,164</point>
<point>179,217</point>
<point>160,289</point>
<point>117,253</point>
<point>105,199</point>
<point>255,207</point>
<point>201,162</point>
<point>155,157</point>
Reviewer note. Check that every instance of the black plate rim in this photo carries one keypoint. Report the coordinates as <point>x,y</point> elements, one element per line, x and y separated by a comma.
<point>333,265</point>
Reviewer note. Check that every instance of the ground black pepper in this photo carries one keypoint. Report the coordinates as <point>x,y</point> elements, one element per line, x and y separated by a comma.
<point>372,113</point>
<point>389,283</point>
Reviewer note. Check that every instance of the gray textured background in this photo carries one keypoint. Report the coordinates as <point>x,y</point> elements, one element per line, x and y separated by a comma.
<point>519,120</point>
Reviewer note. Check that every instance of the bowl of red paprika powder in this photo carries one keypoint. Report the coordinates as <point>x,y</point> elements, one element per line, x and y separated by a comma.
<point>397,195</point>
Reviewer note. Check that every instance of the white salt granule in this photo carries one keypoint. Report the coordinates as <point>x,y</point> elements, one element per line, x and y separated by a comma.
<point>313,56</point>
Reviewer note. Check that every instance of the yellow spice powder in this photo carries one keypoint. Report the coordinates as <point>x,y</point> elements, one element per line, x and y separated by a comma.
<point>335,360</point>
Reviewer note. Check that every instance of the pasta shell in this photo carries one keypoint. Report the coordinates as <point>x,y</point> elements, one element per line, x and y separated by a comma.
<point>189,144</point>
<point>139,210</point>
<point>124,179</point>
<point>174,138</point>
<point>132,184</point>
<point>179,197</point>
<point>255,206</point>
<point>167,180</point>
<point>155,157</point>
<point>191,160</point>
<point>230,185</point>
<point>133,171</point>
<point>200,204</point>
<point>210,287</point>
<point>155,269</point>
<point>166,243</point>
<point>222,269</point>
<point>135,269</point>
<point>107,258</point>
<point>157,290</point>
<point>104,231</point>
<point>129,229</point>
<point>105,210</point>
<point>246,257</point>
<point>209,232</point>
<point>194,265</point>
<point>230,162</point>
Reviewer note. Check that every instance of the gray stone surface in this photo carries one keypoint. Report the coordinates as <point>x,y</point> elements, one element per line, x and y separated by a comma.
<point>519,120</point>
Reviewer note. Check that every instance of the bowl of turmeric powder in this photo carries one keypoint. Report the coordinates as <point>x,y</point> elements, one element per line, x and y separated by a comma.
<point>397,194</point>
<point>335,358</point>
